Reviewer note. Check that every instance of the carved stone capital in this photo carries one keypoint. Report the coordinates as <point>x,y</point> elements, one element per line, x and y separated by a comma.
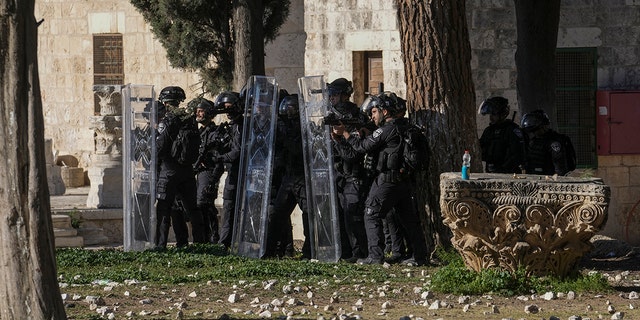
<point>107,134</point>
<point>530,221</point>
<point>108,100</point>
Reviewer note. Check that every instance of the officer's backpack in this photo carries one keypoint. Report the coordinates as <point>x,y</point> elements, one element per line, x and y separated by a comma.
<point>186,144</point>
<point>415,149</point>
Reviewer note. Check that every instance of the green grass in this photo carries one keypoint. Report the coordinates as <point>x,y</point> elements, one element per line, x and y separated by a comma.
<point>456,278</point>
<point>196,264</point>
<point>200,263</point>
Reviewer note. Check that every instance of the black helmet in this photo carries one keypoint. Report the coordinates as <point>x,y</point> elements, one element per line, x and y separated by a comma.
<point>533,120</point>
<point>340,86</point>
<point>228,97</point>
<point>282,93</point>
<point>495,105</point>
<point>173,95</point>
<point>394,104</point>
<point>289,106</point>
<point>206,105</point>
<point>369,103</point>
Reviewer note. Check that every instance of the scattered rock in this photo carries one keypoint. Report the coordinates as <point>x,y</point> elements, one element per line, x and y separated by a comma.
<point>617,316</point>
<point>277,303</point>
<point>233,298</point>
<point>532,309</point>
<point>265,314</point>
<point>94,300</point>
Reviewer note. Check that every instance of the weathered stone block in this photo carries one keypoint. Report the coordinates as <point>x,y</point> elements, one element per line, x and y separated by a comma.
<point>617,176</point>
<point>631,160</point>
<point>634,176</point>
<point>609,161</point>
<point>627,194</point>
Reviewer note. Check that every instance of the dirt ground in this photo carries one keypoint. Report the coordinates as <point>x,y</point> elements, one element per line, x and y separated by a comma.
<point>365,300</point>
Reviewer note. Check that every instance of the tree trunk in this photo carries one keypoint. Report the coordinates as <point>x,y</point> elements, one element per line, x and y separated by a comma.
<point>249,41</point>
<point>440,96</point>
<point>29,287</point>
<point>537,24</point>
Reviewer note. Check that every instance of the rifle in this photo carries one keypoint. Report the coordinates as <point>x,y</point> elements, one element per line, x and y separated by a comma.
<point>331,119</point>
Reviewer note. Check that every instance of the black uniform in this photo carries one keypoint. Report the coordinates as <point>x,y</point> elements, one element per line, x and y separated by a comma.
<point>208,173</point>
<point>230,156</point>
<point>292,191</point>
<point>389,190</point>
<point>503,147</point>
<point>283,237</point>
<point>175,179</point>
<point>352,188</point>
<point>548,154</point>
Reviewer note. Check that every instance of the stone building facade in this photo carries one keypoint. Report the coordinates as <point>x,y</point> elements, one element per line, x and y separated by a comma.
<point>358,40</point>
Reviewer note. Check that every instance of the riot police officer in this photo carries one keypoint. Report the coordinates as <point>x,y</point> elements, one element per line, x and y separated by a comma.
<point>390,188</point>
<point>549,152</point>
<point>175,178</point>
<point>502,142</point>
<point>292,188</point>
<point>208,171</point>
<point>284,239</point>
<point>350,174</point>
<point>229,155</point>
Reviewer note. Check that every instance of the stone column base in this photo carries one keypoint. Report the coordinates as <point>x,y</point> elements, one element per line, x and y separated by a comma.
<point>106,187</point>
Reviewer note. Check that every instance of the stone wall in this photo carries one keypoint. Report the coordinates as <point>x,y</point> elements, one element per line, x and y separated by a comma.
<point>337,28</point>
<point>284,57</point>
<point>65,62</point>
<point>622,174</point>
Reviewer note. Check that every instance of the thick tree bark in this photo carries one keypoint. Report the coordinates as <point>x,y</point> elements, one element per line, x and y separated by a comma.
<point>537,24</point>
<point>249,40</point>
<point>440,95</point>
<point>28,285</point>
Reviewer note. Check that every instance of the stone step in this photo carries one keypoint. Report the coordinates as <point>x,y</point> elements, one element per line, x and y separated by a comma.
<point>66,232</point>
<point>65,235</point>
<point>74,242</point>
<point>61,221</point>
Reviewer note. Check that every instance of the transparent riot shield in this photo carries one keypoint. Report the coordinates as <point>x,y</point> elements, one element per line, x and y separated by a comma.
<point>139,163</point>
<point>256,162</point>
<point>318,165</point>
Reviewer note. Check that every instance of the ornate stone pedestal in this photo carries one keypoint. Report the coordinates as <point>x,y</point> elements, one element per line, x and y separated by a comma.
<point>539,223</point>
<point>105,172</point>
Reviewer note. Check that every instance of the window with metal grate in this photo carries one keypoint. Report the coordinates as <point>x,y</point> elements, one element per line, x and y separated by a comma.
<point>576,84</point>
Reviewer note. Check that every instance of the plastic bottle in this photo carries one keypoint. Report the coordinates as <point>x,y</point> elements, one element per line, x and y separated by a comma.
<point>466,165</point>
